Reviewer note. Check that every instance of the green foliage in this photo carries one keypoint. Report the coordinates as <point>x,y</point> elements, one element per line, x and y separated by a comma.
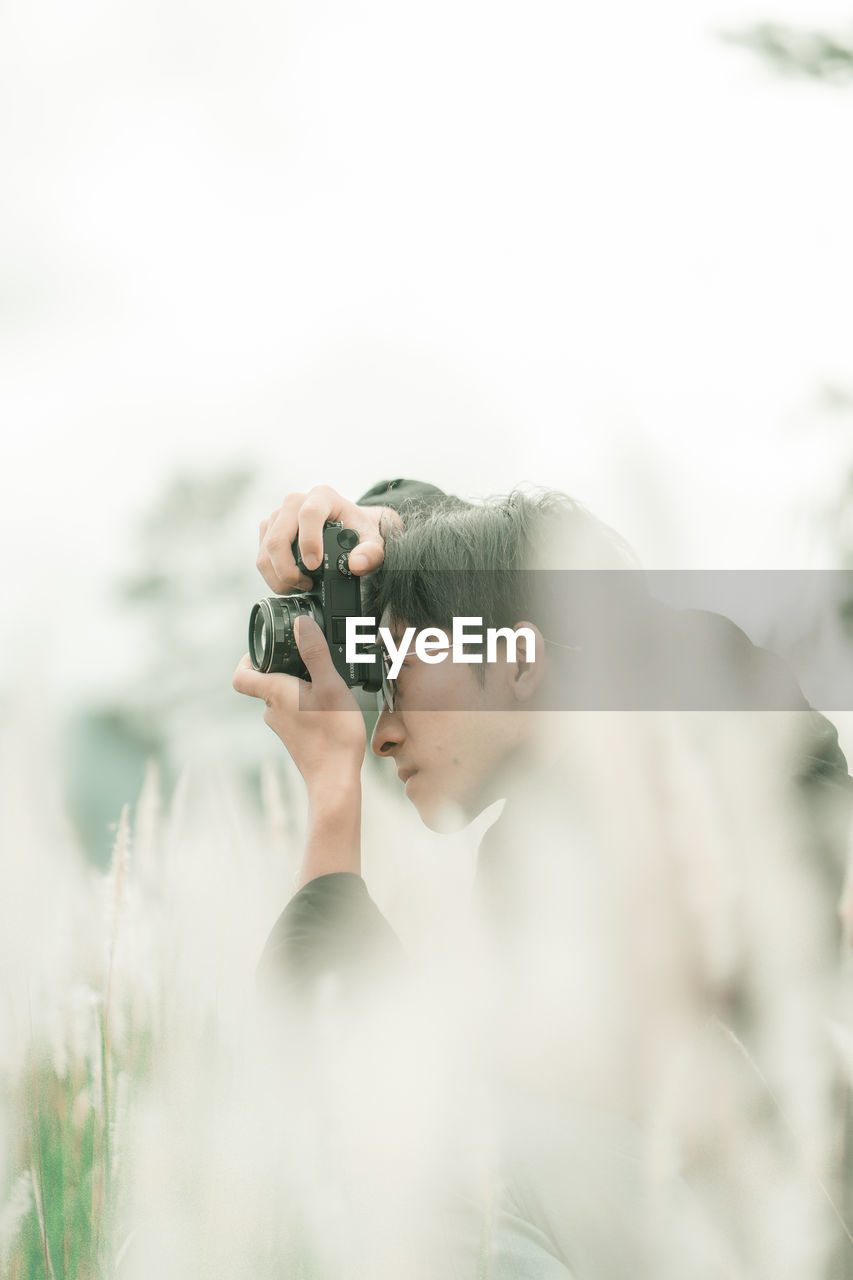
<point>118,1105</point>
<point>184,603</point>
<point>106,757</point>
<point>790,51</point>
<point>65,1134</point>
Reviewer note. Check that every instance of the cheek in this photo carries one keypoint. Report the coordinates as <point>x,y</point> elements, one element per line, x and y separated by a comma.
<point>428,736</point>
<point>465,753</point>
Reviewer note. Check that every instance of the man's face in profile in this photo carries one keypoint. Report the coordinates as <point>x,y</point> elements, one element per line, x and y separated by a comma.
<point>453,737</point>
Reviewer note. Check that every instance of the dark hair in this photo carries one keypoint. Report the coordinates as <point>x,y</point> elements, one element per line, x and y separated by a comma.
<point>456,559</point>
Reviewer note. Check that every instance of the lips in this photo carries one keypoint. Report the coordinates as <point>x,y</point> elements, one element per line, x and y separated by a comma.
<point>405,774</point>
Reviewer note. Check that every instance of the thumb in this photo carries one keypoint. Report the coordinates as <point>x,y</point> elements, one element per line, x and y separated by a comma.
<point>313,649</point>
<point>367,556</point>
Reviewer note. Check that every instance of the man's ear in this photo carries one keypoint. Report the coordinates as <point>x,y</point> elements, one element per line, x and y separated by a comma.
<point>529,666</point>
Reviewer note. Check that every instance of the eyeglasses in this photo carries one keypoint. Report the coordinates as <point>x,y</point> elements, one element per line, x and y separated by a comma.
<point>386,695</point>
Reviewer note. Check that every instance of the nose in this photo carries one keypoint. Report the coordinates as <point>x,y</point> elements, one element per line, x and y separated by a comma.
<point>387,733</point>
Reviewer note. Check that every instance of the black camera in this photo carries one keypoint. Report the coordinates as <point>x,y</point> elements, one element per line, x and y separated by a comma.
<point>335,596</point>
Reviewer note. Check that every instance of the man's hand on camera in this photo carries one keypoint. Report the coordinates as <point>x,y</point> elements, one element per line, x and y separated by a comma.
<point>320,723</point>
<point>302,516</point>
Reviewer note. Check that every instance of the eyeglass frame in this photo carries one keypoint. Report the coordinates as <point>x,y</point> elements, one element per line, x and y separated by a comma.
<point>386,694</point>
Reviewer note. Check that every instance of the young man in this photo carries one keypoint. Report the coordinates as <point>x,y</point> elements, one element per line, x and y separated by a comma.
<point>601,965</point>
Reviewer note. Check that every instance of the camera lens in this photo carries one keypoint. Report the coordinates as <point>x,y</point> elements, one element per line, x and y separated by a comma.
<point>258,633</point>
<point>272,644</point>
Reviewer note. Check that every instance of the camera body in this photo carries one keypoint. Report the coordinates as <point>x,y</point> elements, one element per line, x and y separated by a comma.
<point>335,596</point>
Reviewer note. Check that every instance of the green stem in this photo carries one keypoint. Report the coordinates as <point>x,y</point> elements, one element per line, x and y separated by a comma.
<point>48,1265</point>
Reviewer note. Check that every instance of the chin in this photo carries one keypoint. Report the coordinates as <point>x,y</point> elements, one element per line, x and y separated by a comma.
<point>442,814</point>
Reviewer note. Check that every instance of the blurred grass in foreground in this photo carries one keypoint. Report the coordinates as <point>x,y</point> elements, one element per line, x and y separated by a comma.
<point>126,1012</point>
<point>139,1132</point>
<point>142,1135</point>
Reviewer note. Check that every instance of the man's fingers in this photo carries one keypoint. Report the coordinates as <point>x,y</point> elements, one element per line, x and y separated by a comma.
<point>249,681</point>
<point>284,694</point>
<point>301,519</point>
<point>275,556</point>
<point>367,556</point>
<point>372,525</point>
<point>321,504</point>
<point>324,503</point>
<point>280,538</point>
<point>312,646</point>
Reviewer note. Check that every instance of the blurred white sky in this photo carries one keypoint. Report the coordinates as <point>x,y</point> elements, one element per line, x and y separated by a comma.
<point>587,246</point>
